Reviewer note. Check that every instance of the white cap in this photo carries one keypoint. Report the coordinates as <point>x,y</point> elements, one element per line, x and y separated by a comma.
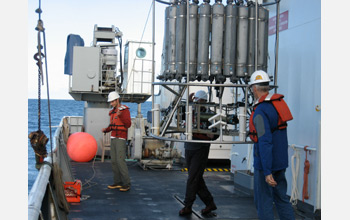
<point>200,94</point>
<point>113,96</point>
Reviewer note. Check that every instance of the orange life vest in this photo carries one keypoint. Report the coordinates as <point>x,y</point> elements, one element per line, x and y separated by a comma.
<point>282,109</point>
<point>115,122</point>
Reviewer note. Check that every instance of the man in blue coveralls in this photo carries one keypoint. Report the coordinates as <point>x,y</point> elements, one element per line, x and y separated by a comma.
<point>270,153</point>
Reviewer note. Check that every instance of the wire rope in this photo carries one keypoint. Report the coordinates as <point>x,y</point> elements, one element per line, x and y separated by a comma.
<point>295,164</point>
<point>38,57</point>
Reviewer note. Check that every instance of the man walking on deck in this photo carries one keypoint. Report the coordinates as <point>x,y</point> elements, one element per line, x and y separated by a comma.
<point>268,130</point>
<point>196,155</point>
<point>120,121</point>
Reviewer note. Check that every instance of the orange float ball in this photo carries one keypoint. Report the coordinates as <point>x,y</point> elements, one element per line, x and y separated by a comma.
<point>81,147</point>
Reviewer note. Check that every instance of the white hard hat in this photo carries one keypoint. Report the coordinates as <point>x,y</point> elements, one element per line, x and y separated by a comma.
<point>200,94</point>
<point>259,76</point>
<point>113,96</point>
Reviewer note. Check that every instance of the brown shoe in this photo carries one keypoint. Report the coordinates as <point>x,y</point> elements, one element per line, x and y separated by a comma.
<point>209,208</point>
<point>185,211</point>
<point>114,186</point>
<point>124,188</point>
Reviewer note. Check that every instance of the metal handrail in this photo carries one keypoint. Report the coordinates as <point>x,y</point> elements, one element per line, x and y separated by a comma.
<point>38,190</point>
<point>200,84</point>
<point>199,141</point>
<point>302,147</point>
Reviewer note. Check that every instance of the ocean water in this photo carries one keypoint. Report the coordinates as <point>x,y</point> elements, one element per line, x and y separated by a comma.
<point>59,109</point>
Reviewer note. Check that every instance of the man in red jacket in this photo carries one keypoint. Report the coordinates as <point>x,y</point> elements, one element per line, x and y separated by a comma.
<point>120,121</point>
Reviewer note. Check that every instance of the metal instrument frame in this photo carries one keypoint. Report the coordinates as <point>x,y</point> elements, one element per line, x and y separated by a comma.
<point>184,86</point>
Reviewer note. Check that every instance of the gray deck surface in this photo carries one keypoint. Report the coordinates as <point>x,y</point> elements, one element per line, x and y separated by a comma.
<point>154,194</point>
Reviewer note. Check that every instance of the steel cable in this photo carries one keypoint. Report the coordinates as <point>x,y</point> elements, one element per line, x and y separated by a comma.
<point>38,57</point>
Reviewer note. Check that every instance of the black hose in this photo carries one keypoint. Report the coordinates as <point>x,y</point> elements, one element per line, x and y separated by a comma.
<point>163,2</point>
<point>239,2</point>
<point>271,3</point>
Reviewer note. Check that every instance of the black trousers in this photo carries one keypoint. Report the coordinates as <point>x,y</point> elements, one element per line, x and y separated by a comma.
<point>196,162</point>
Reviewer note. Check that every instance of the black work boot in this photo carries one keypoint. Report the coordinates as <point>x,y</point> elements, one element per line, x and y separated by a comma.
<point>185,211</point>
<point>209,208</point>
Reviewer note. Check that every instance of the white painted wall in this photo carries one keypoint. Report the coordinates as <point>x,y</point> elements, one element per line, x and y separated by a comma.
<point>299,79</point>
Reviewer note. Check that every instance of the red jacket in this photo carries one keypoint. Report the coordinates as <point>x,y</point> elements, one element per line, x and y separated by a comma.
<point>119,124</point>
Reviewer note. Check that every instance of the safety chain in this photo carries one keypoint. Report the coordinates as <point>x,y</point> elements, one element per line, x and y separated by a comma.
<point>37,138</point>
<point>38,57</point>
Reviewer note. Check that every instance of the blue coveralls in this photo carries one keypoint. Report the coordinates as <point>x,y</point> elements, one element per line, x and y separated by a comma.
<point>270,157</point>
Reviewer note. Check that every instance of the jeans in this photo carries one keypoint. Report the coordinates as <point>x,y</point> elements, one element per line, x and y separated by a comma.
<point>265,195</point>
<point>119,167</point>
<point>196,161</point>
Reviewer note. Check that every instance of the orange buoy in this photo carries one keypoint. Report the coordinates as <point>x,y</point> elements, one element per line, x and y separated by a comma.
<point>81,147</point>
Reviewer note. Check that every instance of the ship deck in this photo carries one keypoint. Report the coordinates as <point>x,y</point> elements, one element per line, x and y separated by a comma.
<point>155,194</point>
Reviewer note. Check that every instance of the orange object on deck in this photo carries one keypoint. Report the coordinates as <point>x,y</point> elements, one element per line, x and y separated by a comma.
<point>81,147</point>
<point>72,191</point>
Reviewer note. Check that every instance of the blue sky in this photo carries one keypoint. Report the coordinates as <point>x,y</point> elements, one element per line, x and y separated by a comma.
<point>64,17</point>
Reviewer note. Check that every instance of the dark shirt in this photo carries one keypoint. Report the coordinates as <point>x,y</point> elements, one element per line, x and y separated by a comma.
<point>195,146</point>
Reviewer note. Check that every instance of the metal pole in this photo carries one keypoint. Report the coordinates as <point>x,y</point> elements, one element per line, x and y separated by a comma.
<point>188,70</point>
<point>246,104</point>
<point>256,35</point>
<point>236,98</point>
<point>220,110</point>
<point>153,72</point>
<point>172,113</point>
<point>277,42</point>
<point>190,124</point>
